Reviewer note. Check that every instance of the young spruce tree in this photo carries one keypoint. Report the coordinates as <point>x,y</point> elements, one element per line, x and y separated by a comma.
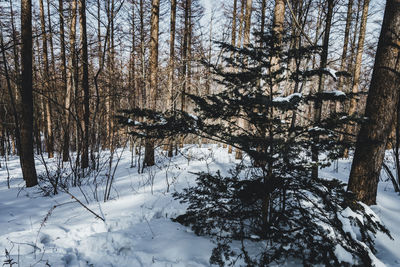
<point>273,206</point>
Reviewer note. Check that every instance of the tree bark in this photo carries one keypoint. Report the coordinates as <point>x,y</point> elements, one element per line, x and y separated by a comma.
<point>47,87</point>
<point>152,96</point>
<point>171,67</point>
<point>233,43</point>
<point>233,36</point>
<point>17,88</point>
<point>53,61</point>
<point>85,83</point>
<point>247,23</point>
<point>277,32</point>
<point>26,155</point>
<point>345,42</point>
<point>343,59</point>
<point>321,84</point>
<point>185,45</point>
<point>246,42</point>
<point>110,104</point>
<point>382,101</point>
<point>360,49</point>
<point>279,18</point>
<point>241,19</point>
<point>13,99</point>
<point>70,81</point>
<point>142,56</point>
<point>354,38</point>
<point>357,67</point>
<point>263,9</point>
<point>63,69</point>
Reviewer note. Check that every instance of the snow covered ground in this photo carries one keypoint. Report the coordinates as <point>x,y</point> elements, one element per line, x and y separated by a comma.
<point>137,230</point>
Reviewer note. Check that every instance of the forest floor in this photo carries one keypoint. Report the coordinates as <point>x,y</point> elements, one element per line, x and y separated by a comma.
<point>55,230</point>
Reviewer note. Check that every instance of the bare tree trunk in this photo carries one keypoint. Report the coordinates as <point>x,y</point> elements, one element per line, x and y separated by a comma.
<point>37,100</point>
<point>343,59</point>
<point>152,96</point>
<point>26,155</point>
<point>311,108</point>
<point>85,83</point>
<point>346,42</point>
<point>99,29</point>
<point>142,56</point>
<point>321,84</point>
<point>233,43</point>
<point>133,96</point>
<point>47,87</point>
<point>296,43</point>
<point>357,66</point>
<point>247,23</point>
<point>279,19</point>
<point>171,91</point>
<point>241,19</point>
<point>11,95</point>
<point>263,9</point>
<point>17,88</point>
<point>53,61</point>
<point>70,81</point>
<point>382,101</point>
<point>186,34</point>
<point>188,4</point>
<point>233,36</point>
<point>109,72</point>
<point>112,81</point>
<point>209,58</point>
<point>354,38</point>
<point>53,78</point>
<point>63,68</point>
<point>246,42</point>
<point>189,53</point>
<point>96,128</point>
<point>132,63</point>
<point>360,49</point>
<point>277,31</point>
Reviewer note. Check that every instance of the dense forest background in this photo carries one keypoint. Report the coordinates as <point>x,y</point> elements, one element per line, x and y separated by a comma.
<point>288,87</point>
<point>94,58</point>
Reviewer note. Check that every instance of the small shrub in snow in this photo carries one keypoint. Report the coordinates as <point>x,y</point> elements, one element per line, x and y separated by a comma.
<point>9,261</point>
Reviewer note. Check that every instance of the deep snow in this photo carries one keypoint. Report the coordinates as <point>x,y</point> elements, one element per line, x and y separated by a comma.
<point>137,230</point>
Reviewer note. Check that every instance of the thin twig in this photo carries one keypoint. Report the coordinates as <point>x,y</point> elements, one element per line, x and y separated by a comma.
<point>83,205</point>
<point>389,173</point>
